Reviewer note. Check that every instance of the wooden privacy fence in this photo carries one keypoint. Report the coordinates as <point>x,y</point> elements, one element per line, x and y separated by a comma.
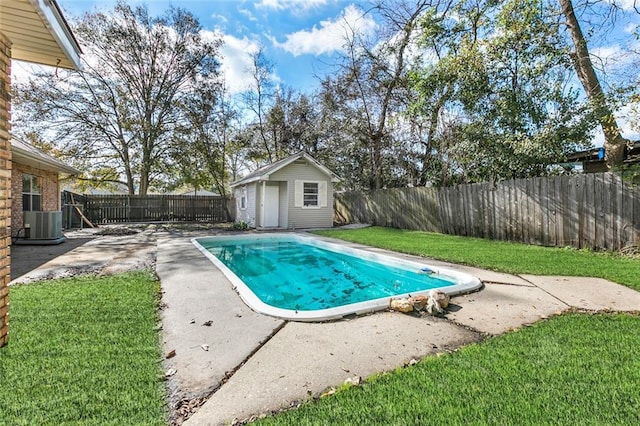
<point>598,210</point>
<point>101,209</point>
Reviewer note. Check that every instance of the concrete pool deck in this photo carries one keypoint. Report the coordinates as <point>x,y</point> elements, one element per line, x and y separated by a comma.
<point>245,364</point>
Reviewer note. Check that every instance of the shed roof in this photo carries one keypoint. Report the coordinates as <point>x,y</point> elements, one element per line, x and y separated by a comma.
<point>27,154</point>
<point>264,172</point>
<point>39,33</point>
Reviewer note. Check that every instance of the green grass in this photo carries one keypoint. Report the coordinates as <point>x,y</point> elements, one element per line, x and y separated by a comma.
<point>83,351</point>
<point>572,369</point>
<point>498,255</point>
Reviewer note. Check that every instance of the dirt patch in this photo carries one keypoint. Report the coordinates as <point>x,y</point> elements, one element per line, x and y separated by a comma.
<point>117,231</point>
<point>107,250</point>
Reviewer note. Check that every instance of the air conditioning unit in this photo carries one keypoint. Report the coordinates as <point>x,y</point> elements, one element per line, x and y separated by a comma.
<point>43,225</point>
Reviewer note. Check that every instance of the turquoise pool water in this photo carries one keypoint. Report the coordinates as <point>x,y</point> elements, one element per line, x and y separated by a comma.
<point>291,274</point>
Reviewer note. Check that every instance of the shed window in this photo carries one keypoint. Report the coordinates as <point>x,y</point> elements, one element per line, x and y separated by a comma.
<point>30,193</point>
<point>310,194</point>
<point>243,199</point>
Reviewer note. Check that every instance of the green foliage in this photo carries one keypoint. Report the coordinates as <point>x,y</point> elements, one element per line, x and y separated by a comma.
<point>367,94</point>
<point>205,141</point>
<point>499,255</point>
<point>572,369</point>
<point>84,351</point>
<point>240,226</point>
<point>630,173</point>
<point>501,76</point>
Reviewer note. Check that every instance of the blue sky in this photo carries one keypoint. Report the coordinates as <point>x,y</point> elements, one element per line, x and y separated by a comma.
<point>298,36</point>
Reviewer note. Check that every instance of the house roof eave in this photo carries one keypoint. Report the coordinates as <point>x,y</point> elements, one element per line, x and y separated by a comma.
<point>39,33</point>
<point>34,158</point>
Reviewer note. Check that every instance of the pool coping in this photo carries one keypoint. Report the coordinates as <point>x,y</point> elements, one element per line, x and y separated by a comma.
<point>467,283</point>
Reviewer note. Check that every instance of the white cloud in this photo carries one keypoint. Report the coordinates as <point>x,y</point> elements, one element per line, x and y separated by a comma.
<point>631,28</point>
<point>329,36</point>
<point>613,58</point>
<point>236,61</point>
<point>223,19</point>
<point>606,53</point>
<point>626,5</point>
<point>293,5</point>
<point>248,14</point>
<point>21,72</point>
<point>628,120</point>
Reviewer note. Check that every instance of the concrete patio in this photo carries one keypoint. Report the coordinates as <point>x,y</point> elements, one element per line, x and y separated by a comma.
<point>228,362</point>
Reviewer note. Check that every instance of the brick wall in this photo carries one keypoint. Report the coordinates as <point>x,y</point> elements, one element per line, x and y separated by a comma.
<point>5,186</point>
<point>49,193</point>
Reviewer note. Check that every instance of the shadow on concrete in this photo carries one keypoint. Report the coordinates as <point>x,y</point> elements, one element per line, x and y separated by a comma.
<point>26,258</point>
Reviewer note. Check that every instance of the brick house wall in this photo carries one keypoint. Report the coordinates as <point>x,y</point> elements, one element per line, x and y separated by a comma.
<point>5,186</point>
<point>49,193</point>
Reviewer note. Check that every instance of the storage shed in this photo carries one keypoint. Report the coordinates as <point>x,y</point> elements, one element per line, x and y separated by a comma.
<point>293,193</point>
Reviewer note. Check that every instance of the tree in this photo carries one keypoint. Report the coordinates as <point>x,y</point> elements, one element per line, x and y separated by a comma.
<point>371,86</point>
<point>258,99</point>
<point>445,85</point>
<point>614,143</point>
<point>292,123</point>
<point>203,142</point>
<point>501,78</point>
<point>120,112</point>
<point>528,118</point>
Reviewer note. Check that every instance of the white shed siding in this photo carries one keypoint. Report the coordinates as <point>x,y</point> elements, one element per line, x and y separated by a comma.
<point>284,205</point>
<point>299,217</point>
<point>248,214</point>
<point>256,198</point>
<point>252,204</point>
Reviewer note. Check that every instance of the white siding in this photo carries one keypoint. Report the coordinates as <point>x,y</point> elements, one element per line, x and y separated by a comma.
<point>248,214</point>
<point>256,199</point>
<point>301,217</point>
<point>284,205</point>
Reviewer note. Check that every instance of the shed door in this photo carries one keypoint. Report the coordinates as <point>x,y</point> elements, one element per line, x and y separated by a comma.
<point>271,206</point>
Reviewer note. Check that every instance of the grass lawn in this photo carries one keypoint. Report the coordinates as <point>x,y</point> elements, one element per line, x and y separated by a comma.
<point>83,351</point>
<point>498,255</point>
<point>573,369</point>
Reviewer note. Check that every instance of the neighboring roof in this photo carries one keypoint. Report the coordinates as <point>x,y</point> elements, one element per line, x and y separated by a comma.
<point>632,154</point>
<point>118,189</point>
<point>29,155</point>
<point>39,33</point>
<point>263,173</point>
<point>200,192</point>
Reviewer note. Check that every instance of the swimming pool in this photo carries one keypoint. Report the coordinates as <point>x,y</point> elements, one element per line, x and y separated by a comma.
<point>309,279</point>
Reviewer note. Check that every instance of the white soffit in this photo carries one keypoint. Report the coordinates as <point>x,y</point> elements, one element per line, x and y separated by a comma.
<point>39,33</point>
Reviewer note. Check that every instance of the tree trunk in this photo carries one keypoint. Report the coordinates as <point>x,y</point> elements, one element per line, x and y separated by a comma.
<point>130,184</point>
<point>144,183</point>
<point>376,161</point>
<point>614,143</point>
